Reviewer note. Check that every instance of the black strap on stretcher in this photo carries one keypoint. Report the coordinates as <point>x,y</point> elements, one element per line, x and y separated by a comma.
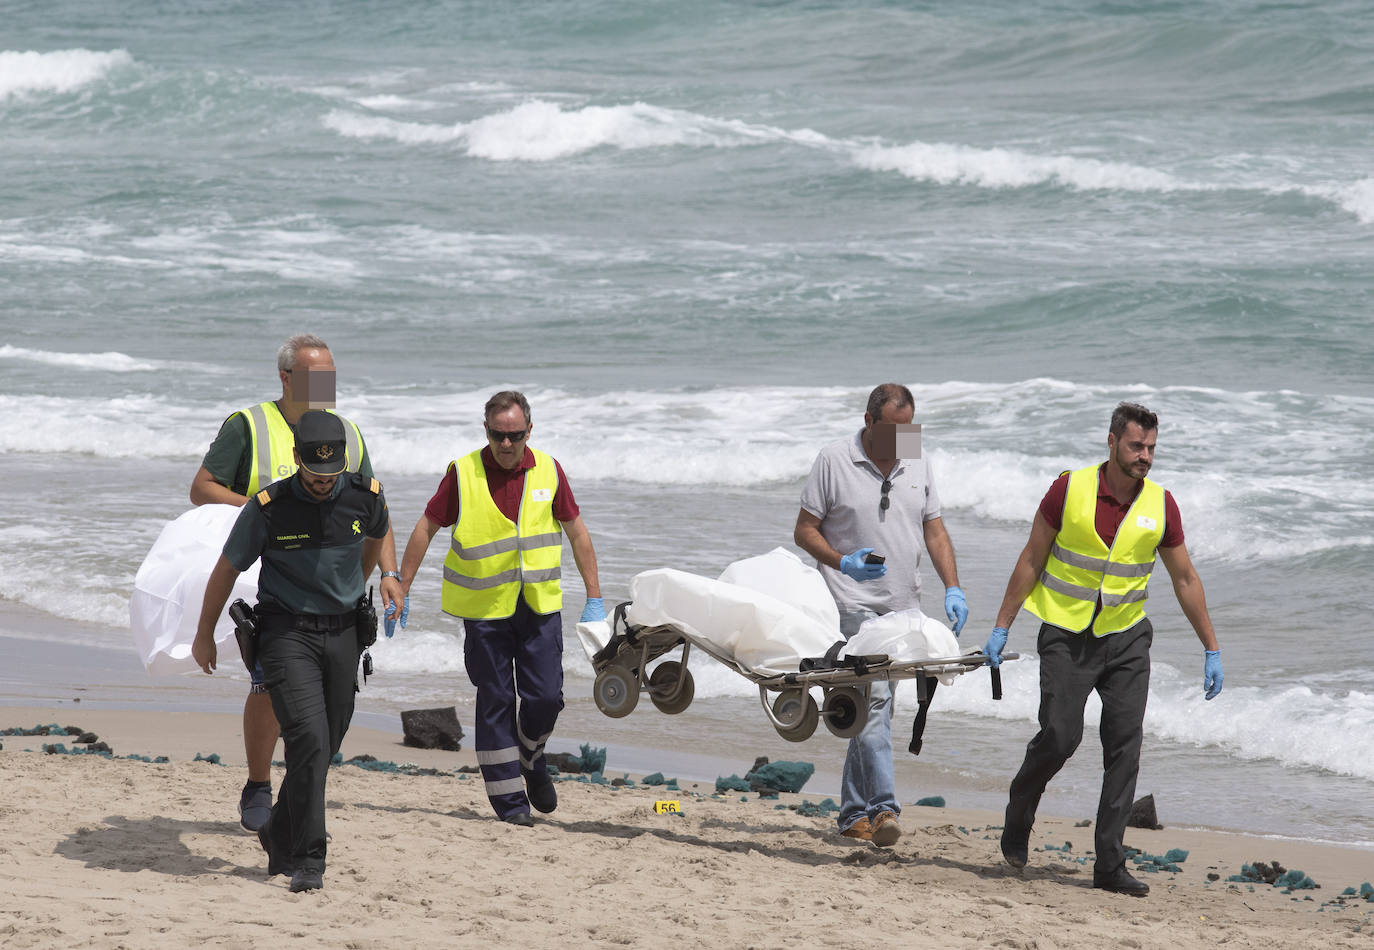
<point>925,685</point>
<point>832,661</point>
<point>925,692</point>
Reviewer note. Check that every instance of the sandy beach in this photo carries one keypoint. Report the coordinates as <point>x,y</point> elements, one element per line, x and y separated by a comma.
<point>114,851</point>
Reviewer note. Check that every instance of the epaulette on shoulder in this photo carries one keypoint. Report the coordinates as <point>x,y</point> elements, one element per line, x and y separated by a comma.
<point>264,497</point>
<point>375,486</point>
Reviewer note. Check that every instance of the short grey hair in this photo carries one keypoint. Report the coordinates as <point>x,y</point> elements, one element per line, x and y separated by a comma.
<point>503,401</point>
<point>885,393</point>
<point>286,356</point>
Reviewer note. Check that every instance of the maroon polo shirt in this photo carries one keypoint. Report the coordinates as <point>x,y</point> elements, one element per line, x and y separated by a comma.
<point>506,487</point>
<point>1110,512</point>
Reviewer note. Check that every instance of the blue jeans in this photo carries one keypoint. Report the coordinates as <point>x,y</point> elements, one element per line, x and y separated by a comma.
<point>867,785</point>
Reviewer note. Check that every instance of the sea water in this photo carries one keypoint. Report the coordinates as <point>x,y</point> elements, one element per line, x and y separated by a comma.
<point>696,235</point>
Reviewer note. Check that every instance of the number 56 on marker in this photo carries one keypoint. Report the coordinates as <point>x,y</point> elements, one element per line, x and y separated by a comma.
<point>666,807</point>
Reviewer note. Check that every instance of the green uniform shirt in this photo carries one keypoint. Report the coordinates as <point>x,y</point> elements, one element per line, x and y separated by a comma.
<point>325,578</point>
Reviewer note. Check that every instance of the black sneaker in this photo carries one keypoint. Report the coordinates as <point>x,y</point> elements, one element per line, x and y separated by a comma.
<point>304,880</point>
<point>543,796</point>
<point>255,806</point>
<point>1120,882</point>
<point>520,818</point>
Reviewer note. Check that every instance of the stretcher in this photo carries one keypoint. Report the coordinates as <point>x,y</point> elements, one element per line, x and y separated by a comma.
<point>771,620</point>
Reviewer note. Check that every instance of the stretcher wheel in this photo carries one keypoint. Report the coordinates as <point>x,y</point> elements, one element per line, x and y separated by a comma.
<point>616,691</point>
<point>845,711</point>
<point>796,710</point>
<point>664,691</point>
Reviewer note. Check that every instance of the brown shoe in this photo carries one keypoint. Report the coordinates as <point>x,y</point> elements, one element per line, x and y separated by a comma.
<point>886,831</point>
<point>861,829</point>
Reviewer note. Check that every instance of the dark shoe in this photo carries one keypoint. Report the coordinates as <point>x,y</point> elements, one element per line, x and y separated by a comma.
<point>886,831</point>
<point>1120,882</point>
<point>861,830</point>
<point>1016,845</point>
<point>521,818</point>
<point>304,880</point>
<point>539,787</point>
<point>274,866</point>
<point>255,806</point>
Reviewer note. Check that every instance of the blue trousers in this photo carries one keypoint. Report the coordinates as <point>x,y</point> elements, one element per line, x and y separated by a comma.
<point>520,656</point>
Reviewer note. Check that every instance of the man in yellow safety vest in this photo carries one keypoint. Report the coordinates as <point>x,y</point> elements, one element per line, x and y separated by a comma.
<point>253,449</point>
<point>1084,573</point>
<point>509,506</point>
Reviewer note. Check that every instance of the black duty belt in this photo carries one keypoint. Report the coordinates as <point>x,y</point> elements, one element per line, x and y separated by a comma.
<point>318,623</point>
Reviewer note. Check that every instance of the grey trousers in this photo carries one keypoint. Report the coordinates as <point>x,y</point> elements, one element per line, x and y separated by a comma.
<point>1072,665</point>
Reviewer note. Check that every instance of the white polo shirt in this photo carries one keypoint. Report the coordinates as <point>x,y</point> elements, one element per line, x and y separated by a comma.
<point>844,490</point>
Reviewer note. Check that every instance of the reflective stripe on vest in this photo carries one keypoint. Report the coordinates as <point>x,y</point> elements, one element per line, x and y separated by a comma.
<point>1081,569</point>
<point>493,561</point>
<point>270,440</point>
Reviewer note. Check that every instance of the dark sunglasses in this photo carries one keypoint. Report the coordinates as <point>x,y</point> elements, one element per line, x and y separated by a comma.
<point>885,501</point>
<point>497,436</point>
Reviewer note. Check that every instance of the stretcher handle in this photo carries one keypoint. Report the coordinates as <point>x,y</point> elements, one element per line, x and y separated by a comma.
<point>996,683</point>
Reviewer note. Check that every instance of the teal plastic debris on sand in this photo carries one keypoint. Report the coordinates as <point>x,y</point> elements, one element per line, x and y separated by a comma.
<point>655,778</point>
<point>1274,874</point>
<point>933,801</point>
<point>212,758</point>
<point>782,776</point>
<point>593,760</point>
<point>1168,861</point>
<point>821,810</point>
<point>731,784</point>
<point>51,729</point>
<point>1295,880</point>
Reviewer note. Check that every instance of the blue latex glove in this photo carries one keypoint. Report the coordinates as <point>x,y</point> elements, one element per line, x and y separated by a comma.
<point>389,623</point>
<point>1211,673</point>
<point>595,610</point>
<point>852,565</point>
<point>995,644</point>
<point>956,609</point>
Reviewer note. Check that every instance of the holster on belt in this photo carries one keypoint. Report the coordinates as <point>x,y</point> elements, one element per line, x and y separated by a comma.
<point>367,621</point>
<point>245,632</point>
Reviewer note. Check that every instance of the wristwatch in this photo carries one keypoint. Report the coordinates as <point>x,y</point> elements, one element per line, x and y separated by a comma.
<point>395,574</point>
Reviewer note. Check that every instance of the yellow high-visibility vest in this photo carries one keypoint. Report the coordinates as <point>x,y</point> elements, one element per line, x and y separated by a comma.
<point>1081,568</point>
<point>271,441</point>
<point>492,561</point>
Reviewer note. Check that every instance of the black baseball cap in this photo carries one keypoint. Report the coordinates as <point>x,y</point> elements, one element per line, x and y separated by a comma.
<point>320,443</point>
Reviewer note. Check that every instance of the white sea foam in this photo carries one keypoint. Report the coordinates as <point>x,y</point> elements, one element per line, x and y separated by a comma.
<point>134,426</point>
<point>108,362</point>
<point>1357,198</point>
<point>352,125</point>
<point>111,361</point>
<point>948,164</point>
<point>58,71</point>
<point>399,103</point>
<point>541,131</point>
